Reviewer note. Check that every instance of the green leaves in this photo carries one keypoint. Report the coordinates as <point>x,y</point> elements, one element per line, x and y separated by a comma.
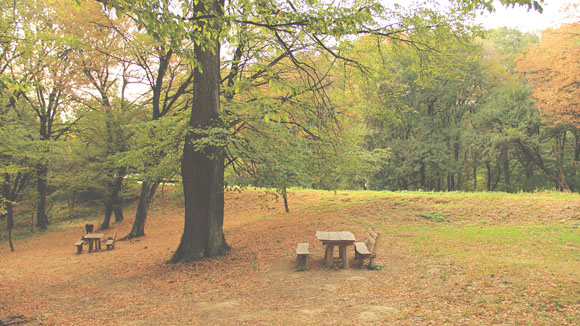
<point>488,5</point>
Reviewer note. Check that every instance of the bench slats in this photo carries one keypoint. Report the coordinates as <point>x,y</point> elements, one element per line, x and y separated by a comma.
<point>79,245</point>
<point>302,255</point>
<point>361,249</point>
<point>111,242</point>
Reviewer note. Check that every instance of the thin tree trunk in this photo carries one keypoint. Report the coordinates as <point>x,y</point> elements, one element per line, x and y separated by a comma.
<point>9,223</point>
<point>285,197</point>
<point>488,167</point>
<point>475,178</point>
<point>450,181</point>
<point>202,169</point>
<point>41,186</point>
<point>117,200</point>
<point>505,163</point>
<point>422,176</point>
<point>494,187</point>
<point>148,189</point>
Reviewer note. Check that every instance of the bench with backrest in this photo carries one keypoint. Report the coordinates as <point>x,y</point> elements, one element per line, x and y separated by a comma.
<point>302,255</point>
<point>111,242</point>
<point>368,248</point>
<point>79,245</point>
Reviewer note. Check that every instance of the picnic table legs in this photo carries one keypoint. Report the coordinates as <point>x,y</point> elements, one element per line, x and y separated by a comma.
<point>344,256</point>
<point>329,255</point>
<point>94,244</point>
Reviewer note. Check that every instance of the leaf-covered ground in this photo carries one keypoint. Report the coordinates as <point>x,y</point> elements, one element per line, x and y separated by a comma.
<point>481,259</point>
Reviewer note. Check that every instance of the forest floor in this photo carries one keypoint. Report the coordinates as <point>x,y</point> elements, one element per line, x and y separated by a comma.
<point>446,259</point>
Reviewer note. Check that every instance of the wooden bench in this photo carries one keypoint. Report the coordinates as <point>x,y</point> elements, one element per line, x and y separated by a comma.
<point>302,255</point>
<point>79,245</point>
<point>368,248</point>
<point>111,242</point>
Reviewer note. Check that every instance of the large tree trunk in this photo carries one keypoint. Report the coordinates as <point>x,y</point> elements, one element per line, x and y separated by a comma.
<point>108,213</point>
<point>202,168</point>
<point>148,189</point>
<point>42,188</point>
<point>113,202</point>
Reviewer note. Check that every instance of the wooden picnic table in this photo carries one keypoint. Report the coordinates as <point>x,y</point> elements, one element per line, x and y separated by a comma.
<point>94,240</point>
<point>330,239</point>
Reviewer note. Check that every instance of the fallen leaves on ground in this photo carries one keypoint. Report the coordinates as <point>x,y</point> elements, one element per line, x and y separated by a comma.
<point>45,283</point>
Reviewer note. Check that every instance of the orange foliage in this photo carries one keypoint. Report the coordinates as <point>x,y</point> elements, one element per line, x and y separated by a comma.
<point>552,68</point>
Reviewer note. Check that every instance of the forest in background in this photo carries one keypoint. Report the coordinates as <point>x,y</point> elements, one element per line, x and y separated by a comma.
<point>94,105</point>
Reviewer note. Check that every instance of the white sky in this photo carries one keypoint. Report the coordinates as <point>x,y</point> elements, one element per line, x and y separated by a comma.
<point>528,21</point>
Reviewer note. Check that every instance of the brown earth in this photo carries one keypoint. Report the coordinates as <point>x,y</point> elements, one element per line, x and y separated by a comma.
<point>46,283</point>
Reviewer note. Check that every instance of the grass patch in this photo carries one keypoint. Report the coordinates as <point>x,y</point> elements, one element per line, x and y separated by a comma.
<point>433,216</point>
<point>551,247</point>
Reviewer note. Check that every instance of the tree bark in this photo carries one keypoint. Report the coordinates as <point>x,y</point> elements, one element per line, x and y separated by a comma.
<point>202,168</point>
<point>107,220</point>
<point>576,133</point>
<point>450,181</point>
<point>559,154</point>
<point>9,215</point>
<point>148,189</point>
<point>11,193</point>
<point>42,189</point>
<point>505,161</point>
<point>475,178</point>
<point>422,176</point>
<point>285,197</point>
<point>488,167</point>
<point>113,203</point>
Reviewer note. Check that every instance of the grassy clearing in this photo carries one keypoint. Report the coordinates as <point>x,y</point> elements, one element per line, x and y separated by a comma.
<point>515,254</point>
<point>520,248</point>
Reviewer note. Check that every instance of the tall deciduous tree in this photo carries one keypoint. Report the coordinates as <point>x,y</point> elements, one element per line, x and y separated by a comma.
<point>45,69</point>
<point>105,77</point>
<point>169,81</point>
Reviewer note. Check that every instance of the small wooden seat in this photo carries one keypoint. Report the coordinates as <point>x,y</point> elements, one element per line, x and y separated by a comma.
<point>302,254</point>
<point>79,245</point>
<point>361,249</point>
<point>368,248</point>
<point>111,242</point>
